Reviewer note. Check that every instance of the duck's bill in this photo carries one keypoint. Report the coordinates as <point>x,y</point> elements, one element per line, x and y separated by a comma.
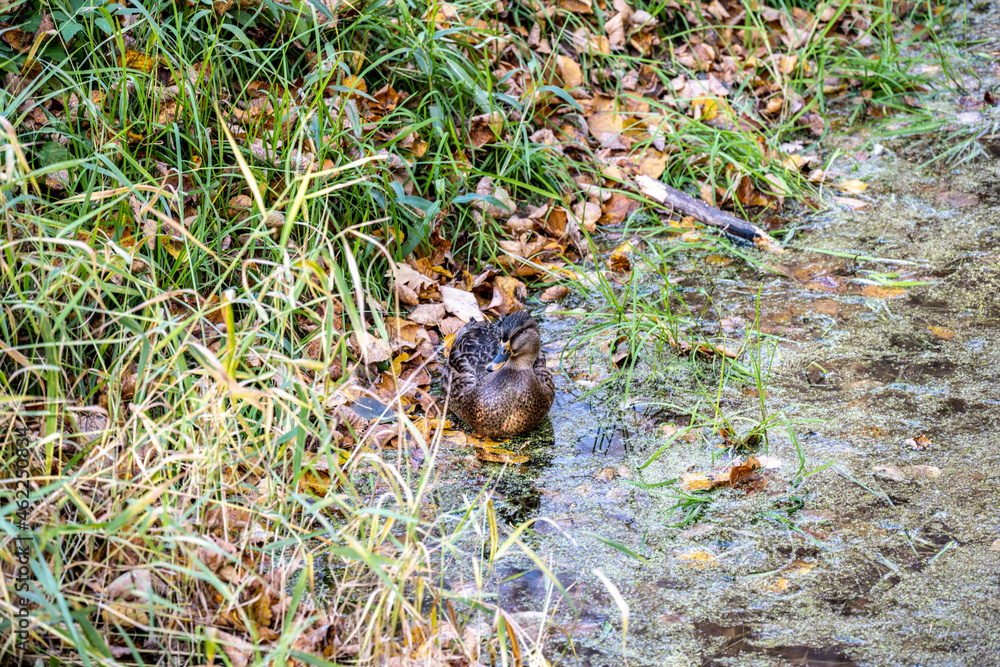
<point>503,356</point>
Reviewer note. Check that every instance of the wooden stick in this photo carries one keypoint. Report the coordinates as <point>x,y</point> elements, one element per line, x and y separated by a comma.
<point>662,193</point>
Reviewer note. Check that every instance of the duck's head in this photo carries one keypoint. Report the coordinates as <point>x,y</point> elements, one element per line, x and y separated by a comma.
<point>519,343</point>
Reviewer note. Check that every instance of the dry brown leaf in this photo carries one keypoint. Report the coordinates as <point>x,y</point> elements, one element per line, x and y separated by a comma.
<point>619,263</point>
<point>576,6</point>
<point>406,275</point>
<point>499,455</point>
<point>554,293</point>
<point>850,202</point>
<point>378,350</point>
<point>696,481</point>
<point>429,314</point>
<point>485,128</point>
<point>919,442</point>
<point>138,60</point>
<point>744,472</point>
<point>509,295</point>
<point>461,304</point>
<point>957,199</point>
<point>486,188</point>
<point>617,208</point>
<point>588,213</point>
<point>518,226</point>
<point>878,292</point>
<point>238,651</point>
<point>568,73</point>
<point>58,180</point>
<point>652,163</point>
<point>239,208</point>
<point>615,29</point>
<point>606,117</point>
<point>450,326</point>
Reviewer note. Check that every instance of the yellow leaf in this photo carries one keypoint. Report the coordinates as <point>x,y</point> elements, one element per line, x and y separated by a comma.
<point>779,585</point>
<point>853,186</point>
<point>397,363</point>
<point>569,73</point>
<point>499,455</point>
<point>137,60</point>
<point>652,163</point>
<point>174,247</point>
<point>941,332</point>
<point>606,118</point>
<point>699,559</point>
<point>706,108</point>
<point>452,438</point>
<point>695,481</point>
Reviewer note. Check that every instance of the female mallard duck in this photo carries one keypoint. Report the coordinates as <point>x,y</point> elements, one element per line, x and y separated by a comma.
<point>496,376</point>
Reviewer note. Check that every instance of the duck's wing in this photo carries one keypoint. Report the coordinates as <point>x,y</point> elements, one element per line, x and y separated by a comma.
<point>474,347</point>
<point>544,376</point>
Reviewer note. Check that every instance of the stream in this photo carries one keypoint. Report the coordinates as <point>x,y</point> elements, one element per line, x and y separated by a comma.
<point>877,540</point>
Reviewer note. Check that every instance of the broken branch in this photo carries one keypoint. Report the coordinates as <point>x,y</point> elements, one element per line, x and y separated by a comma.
<point>662,193</point>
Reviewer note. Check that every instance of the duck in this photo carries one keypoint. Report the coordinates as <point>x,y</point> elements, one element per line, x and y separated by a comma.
<point>496,379</point>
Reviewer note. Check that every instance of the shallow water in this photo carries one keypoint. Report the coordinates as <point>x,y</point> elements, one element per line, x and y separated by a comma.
<point>872,560</point>
<point>879,566</point>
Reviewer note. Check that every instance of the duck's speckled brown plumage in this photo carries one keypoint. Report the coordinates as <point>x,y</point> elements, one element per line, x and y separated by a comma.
<point>502,403</point>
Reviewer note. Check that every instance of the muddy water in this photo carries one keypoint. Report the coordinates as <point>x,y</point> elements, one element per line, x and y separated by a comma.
<point>890,555</point>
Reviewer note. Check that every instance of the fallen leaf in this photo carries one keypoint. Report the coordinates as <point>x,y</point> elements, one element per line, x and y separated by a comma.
<point>588,213</point>
<point>878,292</point>
<point>378,350</point>
<point>619,263</point>
<point>509,295</point>
<point>617,208</point>
<point>699,559</point>
<point>718,260</point>
<point>505,205</point>
<point>485,128</point>
<point>744,472</point>
<point>137,60</point>
<point>957,199</point>
<point>850,202</point>
<point>576,6</point>
<point>769,462</point>
<point>554,293</point>
<point>919,442</point>
<point>652,163</point>
<point>696,481</point>
<point>428,314</point>
<point>902,473</point>
<point>58,180</point>
<point>448,327</point>
<point>568,73</point>
<point>461,304</point>
<point>941,332</point>
<point>605,475</point>
<point>489,450</point>
<point>406,275</point>
<point>606,117</point>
